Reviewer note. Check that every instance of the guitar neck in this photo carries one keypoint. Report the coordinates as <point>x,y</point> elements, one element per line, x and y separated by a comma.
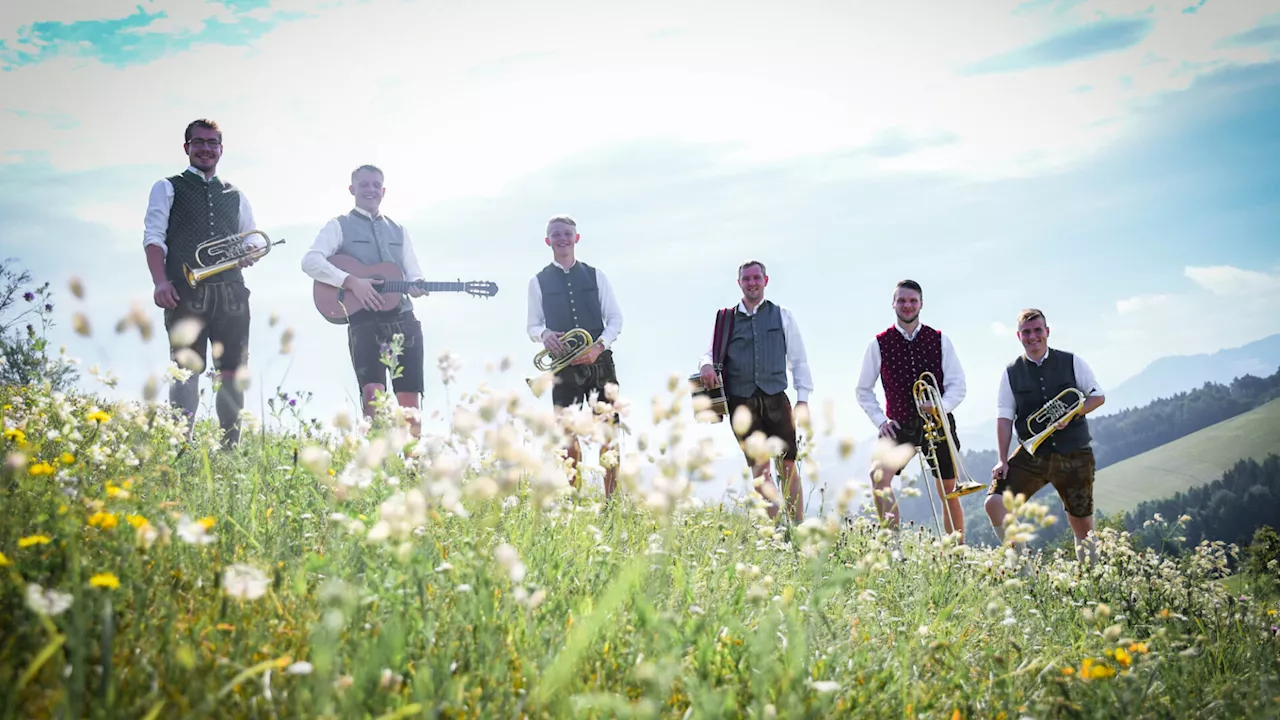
<point>407,285</point>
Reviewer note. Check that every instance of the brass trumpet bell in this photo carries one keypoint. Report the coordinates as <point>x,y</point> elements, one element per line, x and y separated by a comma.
<point>217,256</point>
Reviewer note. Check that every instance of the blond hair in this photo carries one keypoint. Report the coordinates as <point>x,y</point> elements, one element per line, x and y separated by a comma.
<point>567,220</point>
<point>1031,314</point>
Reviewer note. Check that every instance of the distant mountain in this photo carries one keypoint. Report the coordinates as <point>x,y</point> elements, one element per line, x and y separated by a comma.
<point>1179,373</point>
<point>1164,378</point>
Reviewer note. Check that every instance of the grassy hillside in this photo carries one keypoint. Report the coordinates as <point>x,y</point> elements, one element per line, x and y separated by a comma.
<point>357,574</point>
<point>1195,459</point>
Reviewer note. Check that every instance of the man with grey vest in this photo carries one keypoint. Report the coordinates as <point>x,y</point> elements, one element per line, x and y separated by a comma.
<point>569,294</point>
<point>183,212</point>
<point>1065,460</point>
<point>371,238</point>
<point>764,341</point>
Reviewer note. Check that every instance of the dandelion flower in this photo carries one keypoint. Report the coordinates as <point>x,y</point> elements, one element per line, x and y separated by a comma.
<point>40,468</point>
<point>30,540</point>
<point>4,561</point>
<point>104,520</point>
<point>105,580</point>
<point>98,416</point>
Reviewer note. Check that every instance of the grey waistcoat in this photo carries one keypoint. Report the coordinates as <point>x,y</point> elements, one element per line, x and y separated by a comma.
<point>372,242</point>
<point>757,354</point>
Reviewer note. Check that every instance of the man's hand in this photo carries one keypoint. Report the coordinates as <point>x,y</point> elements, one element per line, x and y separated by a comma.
<point>364,292</point>
<point>708,376</point>
<point>590,356</point>
<point>551,341</point>
<point>165,295</point>
<point>1062,424</point>
<point>415,291</point>
<point>890,429</point>
<point>1000,470</point>
<point>245,262</point>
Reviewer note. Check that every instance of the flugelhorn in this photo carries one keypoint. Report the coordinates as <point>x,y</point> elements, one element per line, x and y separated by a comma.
<point>576,343</point>
<point>215,256</point>
<point>1049,415</point>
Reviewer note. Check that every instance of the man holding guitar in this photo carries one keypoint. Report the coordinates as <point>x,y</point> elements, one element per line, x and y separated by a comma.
<point>371,238</point>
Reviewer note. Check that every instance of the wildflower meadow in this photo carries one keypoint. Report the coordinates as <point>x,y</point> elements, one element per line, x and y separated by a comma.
<point>345,569</point>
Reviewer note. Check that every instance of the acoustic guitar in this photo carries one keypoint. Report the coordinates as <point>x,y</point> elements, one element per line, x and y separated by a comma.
<point>337,305</point>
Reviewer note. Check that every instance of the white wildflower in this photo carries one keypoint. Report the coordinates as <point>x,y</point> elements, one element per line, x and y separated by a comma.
<point>245,582</point>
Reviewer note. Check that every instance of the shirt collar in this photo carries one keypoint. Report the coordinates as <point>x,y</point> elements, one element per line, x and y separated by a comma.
<point>562,267</point>
<point>1041,361</point>
<point>904,333</point>
<point>742,307</point>
<point>192,169</point>
<point>366,213</point>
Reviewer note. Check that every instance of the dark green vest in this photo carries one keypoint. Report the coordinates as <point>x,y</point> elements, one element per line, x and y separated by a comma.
<point>201,211</point>
<point>571,299</point>
<point>372,242</point>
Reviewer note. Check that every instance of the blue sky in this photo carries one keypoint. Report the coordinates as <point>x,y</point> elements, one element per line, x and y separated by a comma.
<point>1114,163</point>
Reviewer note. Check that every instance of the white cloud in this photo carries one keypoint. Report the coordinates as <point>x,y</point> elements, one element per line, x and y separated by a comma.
<point>1233,281</point>
<point>462,105</point>
<point>999,329</point>
<point>1220,312</point>
<point>1139,303</point>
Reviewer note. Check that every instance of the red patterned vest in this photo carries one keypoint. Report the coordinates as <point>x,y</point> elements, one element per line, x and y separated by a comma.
<point>901,362</point>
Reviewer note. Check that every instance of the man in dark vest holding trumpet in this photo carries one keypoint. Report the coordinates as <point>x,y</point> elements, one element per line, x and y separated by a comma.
<point>1045,395</point>
<point>763,342</point>
<point>183,212</point>
<point>569,295</point>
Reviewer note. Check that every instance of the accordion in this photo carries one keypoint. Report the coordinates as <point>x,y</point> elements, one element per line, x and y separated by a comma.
<point>716,406</point>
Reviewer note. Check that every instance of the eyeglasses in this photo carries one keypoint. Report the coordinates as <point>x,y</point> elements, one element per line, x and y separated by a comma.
<point>201,142</point>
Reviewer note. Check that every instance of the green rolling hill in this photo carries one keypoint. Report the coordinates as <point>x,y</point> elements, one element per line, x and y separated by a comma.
<point>1196,459</point>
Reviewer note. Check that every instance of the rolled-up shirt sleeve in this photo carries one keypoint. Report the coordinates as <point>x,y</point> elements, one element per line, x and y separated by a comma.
<point>1085,379</point>
<point>315,261</point>
<point>155,224</point>
<point>1005,407</point>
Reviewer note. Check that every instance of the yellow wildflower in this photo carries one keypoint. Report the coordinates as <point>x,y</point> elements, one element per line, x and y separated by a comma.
<point>67,458</point>
<point>41,468</point>
<point>105,580</point>
<point>16,435</point>
<point>30,540</point>
<point>225,626</point>
<point>208,522</point>
<point>1138,647</point>
<point>1098,672</point>
<point>1068,671</point>
<point>116,492</point>
<point>4,561</point>
<point>1123,657</point>
<point>104,520</point>
<point>136,521</point>
<point>98,416</point>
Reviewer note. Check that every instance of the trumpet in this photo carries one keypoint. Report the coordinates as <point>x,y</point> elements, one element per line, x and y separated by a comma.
<point>1049,415</point>
<point>215,256</point>
<point>577,342</point>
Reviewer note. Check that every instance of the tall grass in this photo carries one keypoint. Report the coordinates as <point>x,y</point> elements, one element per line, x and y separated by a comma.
<point>321,572</point>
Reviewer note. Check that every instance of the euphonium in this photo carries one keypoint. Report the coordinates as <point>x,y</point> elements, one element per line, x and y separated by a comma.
<point>577,342</point>
<point>1048,416</point>
<point>215,256</point>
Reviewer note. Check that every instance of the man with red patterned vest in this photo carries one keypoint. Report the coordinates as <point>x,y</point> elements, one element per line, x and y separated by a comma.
<point>897,357</point>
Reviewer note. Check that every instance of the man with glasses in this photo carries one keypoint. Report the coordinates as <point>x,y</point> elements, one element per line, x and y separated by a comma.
<point>183,212</point>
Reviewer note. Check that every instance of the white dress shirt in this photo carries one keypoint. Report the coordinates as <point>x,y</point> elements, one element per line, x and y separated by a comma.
<point>610,312</point>
<point>1086,382</point>
<point>315,261</point>
<point>953,387</point>
<point>797,359</point>
<point>156,222</point>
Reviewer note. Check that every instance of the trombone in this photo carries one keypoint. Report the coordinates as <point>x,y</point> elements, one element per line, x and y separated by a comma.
<point>577,342</point>
<point>1049,415</point>
<point>216,256</point>
<point>938,431</point>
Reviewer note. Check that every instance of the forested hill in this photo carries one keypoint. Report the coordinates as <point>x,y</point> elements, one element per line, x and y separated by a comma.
<point>1229,509</point>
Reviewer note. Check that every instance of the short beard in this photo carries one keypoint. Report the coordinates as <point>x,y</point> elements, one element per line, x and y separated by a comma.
<point>908,321</point>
